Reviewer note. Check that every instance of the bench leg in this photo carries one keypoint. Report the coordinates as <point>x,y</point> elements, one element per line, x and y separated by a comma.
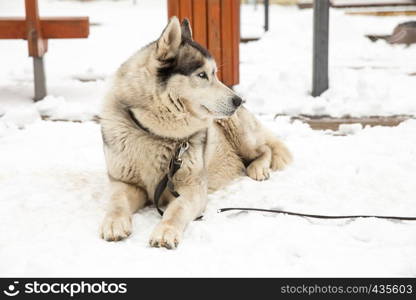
<point>320,47</point>
<point>40,80</point>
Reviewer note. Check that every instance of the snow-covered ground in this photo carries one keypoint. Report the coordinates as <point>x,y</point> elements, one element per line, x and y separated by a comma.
<point>53,185</point>
<point>53,193</point>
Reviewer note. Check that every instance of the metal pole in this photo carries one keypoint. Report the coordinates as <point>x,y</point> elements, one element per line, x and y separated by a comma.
<point>320,47</point>
<point>266,15</point>
<point>40,80</point>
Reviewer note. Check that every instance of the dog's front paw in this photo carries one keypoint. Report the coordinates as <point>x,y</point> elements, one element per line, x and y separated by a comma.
<point>258,171</point>
<point>281,156</point>
<point>116,226</point>
<point>166,236</point>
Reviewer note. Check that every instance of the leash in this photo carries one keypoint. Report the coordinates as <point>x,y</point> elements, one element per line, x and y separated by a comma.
<point>174,165</point>
<point>316,216</point>
<point>166,182</point>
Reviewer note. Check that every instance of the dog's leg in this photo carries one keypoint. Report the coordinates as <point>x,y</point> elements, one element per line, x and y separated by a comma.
<point>125,200</point>
<point>257,144</point>
<point>179,213</point>
<point>274,155</point>
<point>259,169</point>
<point>281,155</point>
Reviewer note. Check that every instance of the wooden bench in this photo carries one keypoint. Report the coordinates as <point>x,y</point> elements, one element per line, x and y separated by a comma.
<point>215,25</point>
<point>37,31</point>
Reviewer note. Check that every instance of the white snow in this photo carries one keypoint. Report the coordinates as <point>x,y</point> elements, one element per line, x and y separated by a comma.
<point>53,185</point>
<point>349,128</point>
<point>366,78</point>
<point>53,193</point>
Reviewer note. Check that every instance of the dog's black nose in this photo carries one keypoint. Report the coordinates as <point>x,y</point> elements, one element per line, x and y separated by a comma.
<point>237,101</point>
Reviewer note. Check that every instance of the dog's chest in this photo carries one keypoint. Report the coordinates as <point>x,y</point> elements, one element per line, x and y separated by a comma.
<point>153,162</point>
<point>139,160</point>
<point>193,162</point>
<point>143,160</point>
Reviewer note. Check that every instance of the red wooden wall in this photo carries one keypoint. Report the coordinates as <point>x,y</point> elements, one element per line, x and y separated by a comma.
<point>215,25</point>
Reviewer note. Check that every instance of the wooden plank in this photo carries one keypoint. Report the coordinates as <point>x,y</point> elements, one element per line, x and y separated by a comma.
<point>302,4</point>
<point>359,3</point>
<point>227,45</point>
<point>173,8</point>
<point>236,41</point>
<point>215,25</point>
<point>65,27</point>
<point>199,24</point>
<point>37,46</point>
<point>185,10</point>
<point>13,28</point>
<point>214,32</point>
<point>383,13</point>
<point>328,123</point>
<point>51,28</point>
<point>320,47</point>
<point>368,3</point>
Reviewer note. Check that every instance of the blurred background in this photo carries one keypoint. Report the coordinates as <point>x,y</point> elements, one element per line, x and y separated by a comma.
<point>274,67</point>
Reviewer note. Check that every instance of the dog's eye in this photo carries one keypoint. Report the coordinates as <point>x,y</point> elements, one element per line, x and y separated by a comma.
<point>202,75</point>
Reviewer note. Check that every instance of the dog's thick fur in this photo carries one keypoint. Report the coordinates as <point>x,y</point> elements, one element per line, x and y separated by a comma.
<point>171,88</point>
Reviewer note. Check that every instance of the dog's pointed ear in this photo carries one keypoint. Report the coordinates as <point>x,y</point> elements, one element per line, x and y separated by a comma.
<point>186,29</point>
<point>170,40</point>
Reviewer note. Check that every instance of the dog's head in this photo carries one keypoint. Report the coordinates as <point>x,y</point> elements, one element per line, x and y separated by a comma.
<point>187,71</point>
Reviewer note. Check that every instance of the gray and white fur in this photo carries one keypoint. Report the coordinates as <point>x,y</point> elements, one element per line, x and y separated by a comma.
<point>170,87</point>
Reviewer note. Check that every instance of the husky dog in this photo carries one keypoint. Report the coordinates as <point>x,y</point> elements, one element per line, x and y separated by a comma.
<point>163,95</point>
